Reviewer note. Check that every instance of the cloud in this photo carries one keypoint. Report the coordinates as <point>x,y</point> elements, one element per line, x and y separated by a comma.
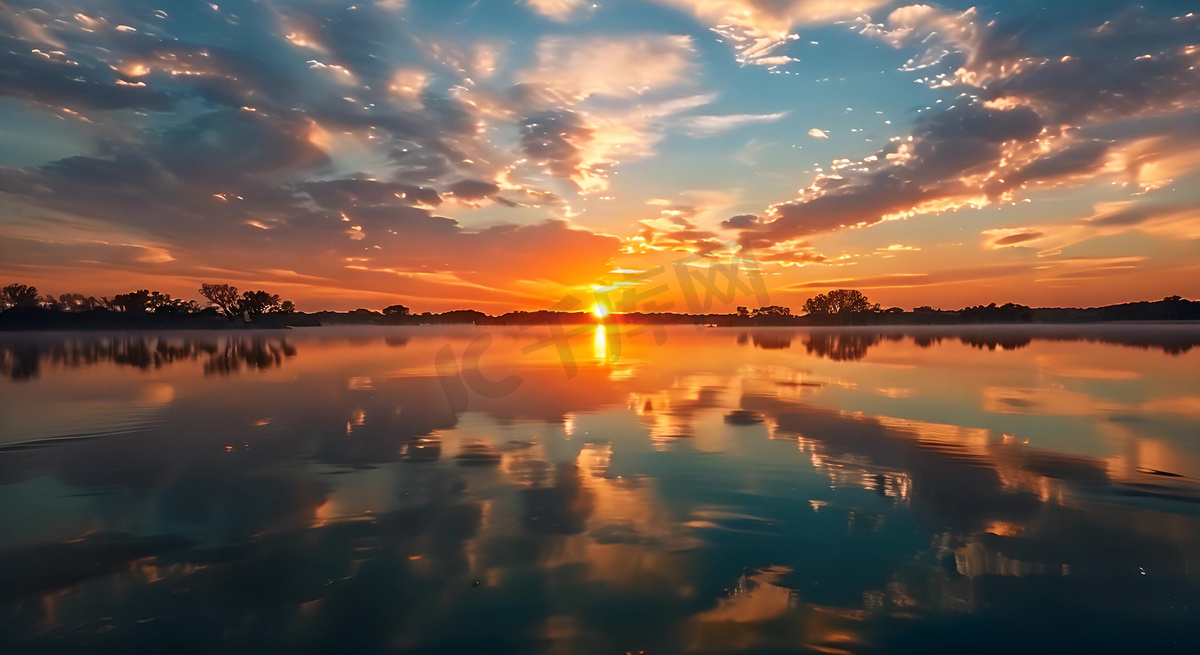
<point>1059,269</point>
<point>559,10</point>
<point>229,144</point>
<point>473,190</point>
<point>705,126</point>
<point>1012,238</point>
<point>178,217</point>
<point>250,165</point>
<point>818,134</point>
<point>584,146</point>
<point>1094,69</point>
<point>575,69</point>
<point>61,82</point>
<point>793,254</point>
<point>1027,118</point>
<point>1081,159</point>
<point>741,221</point>
<point>555,141</point>
<point>588,104</point>
<point>347,193</point>
<point>938,32</point>
<point>673,229</point>
<point>1153,160</point>
<point>891,249</point>
<point>760,29</point>
<point>1108,219</point>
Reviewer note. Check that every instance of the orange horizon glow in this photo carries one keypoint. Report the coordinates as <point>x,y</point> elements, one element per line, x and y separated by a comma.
<point>1023,289</point>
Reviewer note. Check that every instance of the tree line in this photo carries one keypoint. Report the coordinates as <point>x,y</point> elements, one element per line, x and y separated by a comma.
<point>837,307</point>
<point>227,301</point>
<point>838,301</point>
<point>222,299</point>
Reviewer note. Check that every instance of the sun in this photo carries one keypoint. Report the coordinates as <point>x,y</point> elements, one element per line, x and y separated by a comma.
<point>600,311</point>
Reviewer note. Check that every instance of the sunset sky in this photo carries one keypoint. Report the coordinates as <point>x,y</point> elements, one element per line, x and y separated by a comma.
<point>504,154</point>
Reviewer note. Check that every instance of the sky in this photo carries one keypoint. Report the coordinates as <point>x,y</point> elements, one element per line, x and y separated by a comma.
<point>516,154</point>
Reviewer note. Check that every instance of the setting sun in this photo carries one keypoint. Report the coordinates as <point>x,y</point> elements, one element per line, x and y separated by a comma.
<point>599,310</point>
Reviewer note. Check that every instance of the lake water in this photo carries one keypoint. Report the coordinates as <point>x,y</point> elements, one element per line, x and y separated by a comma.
<point>463,490</point>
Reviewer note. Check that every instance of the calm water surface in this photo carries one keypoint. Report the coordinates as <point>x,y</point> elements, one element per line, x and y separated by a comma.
<point>482,490</point>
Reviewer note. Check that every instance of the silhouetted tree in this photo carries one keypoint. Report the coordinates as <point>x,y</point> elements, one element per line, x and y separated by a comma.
<point>772,340</point>
<point>839,301</point>
<point>1006,313</point>
<point>132,302</point>
<point>395,310</point>
<point>254,354</point>
<point>144,300</point>
<point>287,307</point>
<point>772,310</point>
<point>50,302</point>
<point>20,361</point>
<point>257,303</point>
<point>743,312</point>
<point>162,303</point>
<point>223,297</point>
<point>840,347</point>
<point>77,302</point>
<point>19,295</point>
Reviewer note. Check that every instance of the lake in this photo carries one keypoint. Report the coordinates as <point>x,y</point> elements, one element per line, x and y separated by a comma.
<point>488,490</point>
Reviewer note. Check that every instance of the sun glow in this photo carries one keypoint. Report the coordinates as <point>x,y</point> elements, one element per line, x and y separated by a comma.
<point>599,310</point>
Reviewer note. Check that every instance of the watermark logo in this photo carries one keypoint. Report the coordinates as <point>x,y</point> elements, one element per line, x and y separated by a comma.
<point>720,281</point>
<point>702,281</point>
<point>457,381</point>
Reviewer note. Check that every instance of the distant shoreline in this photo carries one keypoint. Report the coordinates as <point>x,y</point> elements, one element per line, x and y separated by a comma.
<point>1173,310</point>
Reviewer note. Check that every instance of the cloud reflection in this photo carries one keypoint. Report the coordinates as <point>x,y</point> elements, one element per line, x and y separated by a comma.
<point>348,505</point>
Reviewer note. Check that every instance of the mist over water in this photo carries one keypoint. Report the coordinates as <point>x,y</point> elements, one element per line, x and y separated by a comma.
<point>454,490</point>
